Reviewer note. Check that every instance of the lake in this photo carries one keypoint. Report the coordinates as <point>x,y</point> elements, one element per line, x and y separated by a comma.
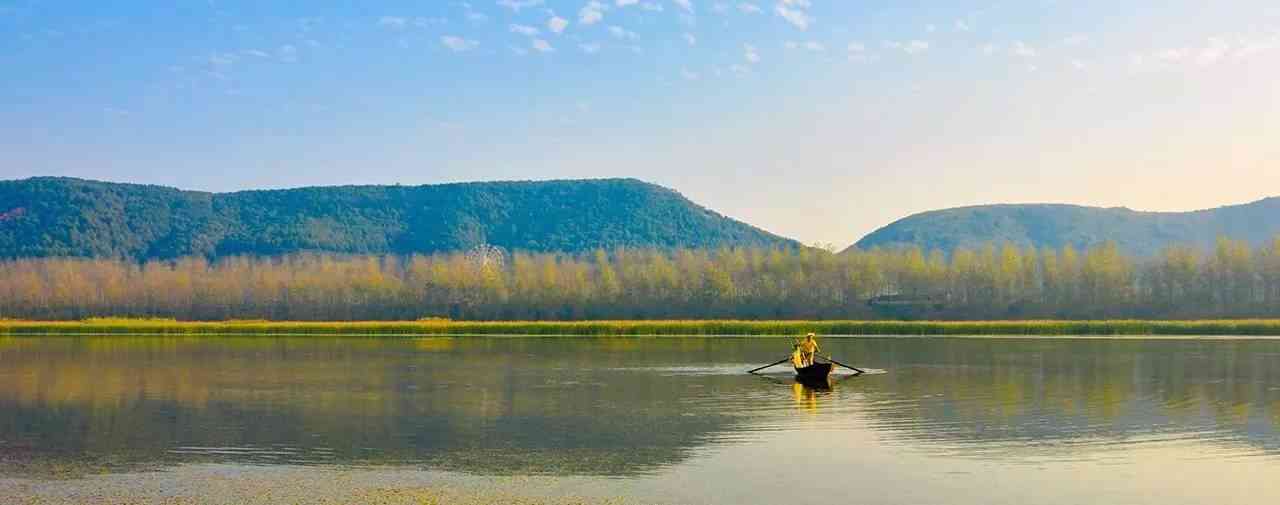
<point>643,420</point>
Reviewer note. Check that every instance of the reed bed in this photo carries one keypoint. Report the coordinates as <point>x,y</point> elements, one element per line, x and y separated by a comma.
<point>1243,327</point>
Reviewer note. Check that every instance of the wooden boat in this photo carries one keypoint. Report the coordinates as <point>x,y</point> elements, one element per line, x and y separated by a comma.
<point>817,373</point>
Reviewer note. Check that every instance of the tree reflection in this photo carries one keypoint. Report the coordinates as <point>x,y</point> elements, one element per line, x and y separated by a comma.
<point>597,406</point>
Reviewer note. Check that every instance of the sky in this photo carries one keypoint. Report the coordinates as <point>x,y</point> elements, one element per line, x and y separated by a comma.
<point>819,120</point>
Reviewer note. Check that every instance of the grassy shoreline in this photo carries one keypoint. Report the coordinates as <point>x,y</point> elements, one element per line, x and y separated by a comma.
<point>1243,327</point>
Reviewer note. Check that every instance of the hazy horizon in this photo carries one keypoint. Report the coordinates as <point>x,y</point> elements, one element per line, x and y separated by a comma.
<point>816,120</point>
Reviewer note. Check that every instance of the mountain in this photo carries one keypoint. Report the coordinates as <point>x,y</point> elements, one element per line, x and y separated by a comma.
<point>1043,225</point>
<point>48,216</point>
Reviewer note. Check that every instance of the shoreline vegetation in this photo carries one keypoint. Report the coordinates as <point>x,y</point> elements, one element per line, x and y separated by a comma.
<point>993,283</point>
<point>436,327</point>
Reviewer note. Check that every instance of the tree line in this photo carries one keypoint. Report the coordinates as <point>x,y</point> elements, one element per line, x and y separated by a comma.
<point>993,282</point>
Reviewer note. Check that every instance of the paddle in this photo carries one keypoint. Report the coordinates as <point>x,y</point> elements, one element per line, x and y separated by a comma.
<point>856,369</point>
<point>779,362</point>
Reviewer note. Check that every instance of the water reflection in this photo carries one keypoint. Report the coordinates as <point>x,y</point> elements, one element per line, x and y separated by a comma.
<point>614,407</point>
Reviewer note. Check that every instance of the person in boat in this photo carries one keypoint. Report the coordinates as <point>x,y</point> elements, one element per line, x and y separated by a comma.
<point>797,357</point>
<point>808,349</point>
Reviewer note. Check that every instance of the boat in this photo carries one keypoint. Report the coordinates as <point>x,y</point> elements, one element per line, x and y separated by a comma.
<point>817,373</point>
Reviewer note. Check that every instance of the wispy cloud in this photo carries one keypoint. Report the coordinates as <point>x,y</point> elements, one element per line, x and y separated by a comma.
<point>812,45</point>
<point>287,53</point>
<point>794,12</point>
<point>458,44</point>
<point>619,32</point>
<point>857,52</point>
<point>392,21</point>
<point>690,39</point>
<point>523,29</point>
<point>687,5</point>
<point>557,24</point>
<point>516,5</point>
<point>749,8</point>
<point>912,47</point>
<point>591,13</point>
<point>541,46</point>
<point>1075,39</point>
<point>750,53</point>
<point>590,47</point>
<point>222,59</point>
<point>1022,50</point>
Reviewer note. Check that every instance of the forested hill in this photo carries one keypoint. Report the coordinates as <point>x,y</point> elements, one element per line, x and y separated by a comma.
<point>42,217</point>
<point>1136,233</point>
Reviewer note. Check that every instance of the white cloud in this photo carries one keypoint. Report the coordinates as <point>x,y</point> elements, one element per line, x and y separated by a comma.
<point>858,53</point>
<point>619,32</point>
<point>963,26</point>
<point>813,46</point>
<point>1075,40</point>
<point>541,46</point>
<point>258,53</point>
<point>1021,49</point>
<point>911,47</point>
<point>557,24</point>
<point>687,5</point>
<point>1079,65</point>
<point>426,22</point>
<point>524,30</point>
<point>989,49</point>
<point>1171,55</point>
<point>691,39</point>
<point>931,28</point>
<point>516,5</point>
<point>392,21</point>
<point>689,76</point>
<point>222,59</point>
<point>1249,48</point>
<point>591,13</point>
<point>287,53</point>
<point>749,8</point>
<point>1214,51</point>
<point>590,48</point>
<point>458,44</point>
<point>625,3</point>
<point>799,18</point>
<point>750,54</point>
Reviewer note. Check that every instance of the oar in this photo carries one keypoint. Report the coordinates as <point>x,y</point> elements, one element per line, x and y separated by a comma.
<point>779,362</point>
<point>856,369</point>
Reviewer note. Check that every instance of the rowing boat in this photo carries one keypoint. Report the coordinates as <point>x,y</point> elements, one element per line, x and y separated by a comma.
<point>815,373</point>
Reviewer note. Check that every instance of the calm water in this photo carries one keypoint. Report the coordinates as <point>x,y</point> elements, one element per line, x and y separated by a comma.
<point>668,420</point>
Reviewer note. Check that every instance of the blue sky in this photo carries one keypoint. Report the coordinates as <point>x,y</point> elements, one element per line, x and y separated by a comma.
<point>819,120</point>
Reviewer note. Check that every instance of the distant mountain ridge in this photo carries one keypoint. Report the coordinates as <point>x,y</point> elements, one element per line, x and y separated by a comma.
<point>1056,225</point>
<point>49,216</point>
